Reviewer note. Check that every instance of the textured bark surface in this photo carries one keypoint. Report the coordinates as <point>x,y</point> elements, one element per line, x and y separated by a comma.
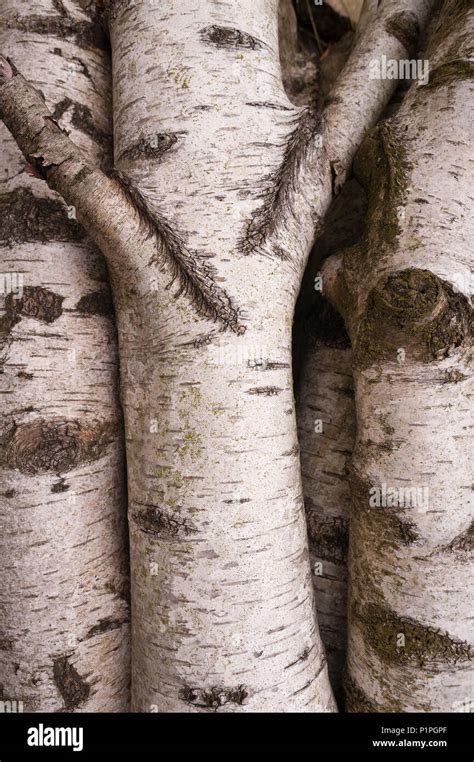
<point>222,600</point>
<point>325,413</point>
<point>406,295</point>
<point>220,182</point>
<point>63,559</point>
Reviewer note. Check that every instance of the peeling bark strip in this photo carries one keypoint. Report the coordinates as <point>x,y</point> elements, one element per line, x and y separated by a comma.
<point>29,218</point>
<point>156,522</point>
<point>278,197</point>
<point>54,445</point>
<point>84,34</point>
<point>422,645</point>
<point>227,37</point>
<point>72,687</point>
<point>405,27</point>
<point>213,698</point>
<point>195,277</point>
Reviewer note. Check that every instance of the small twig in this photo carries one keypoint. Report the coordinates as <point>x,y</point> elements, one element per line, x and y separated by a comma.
<point>315,28</point>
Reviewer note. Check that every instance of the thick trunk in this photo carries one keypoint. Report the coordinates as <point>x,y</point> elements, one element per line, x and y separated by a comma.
<point>222,600</point>
<point>63,590</point>
<point>406,296</point>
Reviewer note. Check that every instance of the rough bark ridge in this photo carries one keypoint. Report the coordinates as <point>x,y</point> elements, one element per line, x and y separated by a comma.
<point>406,295</point>
<point>207,226</point>
<point>63,577</point>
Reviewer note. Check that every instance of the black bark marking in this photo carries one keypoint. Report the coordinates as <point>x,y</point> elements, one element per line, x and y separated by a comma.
<point>60,486</point>
<point>262,364</point>
<point>229,38</point>
<point>96,303</point>
<point>55,445</point>
<point>156,522</point>
<point>151,148</point>
<point>195,277</point>
<point>268,104</point>
<point>329,538</point>
<point>105,625</point>
<point>73,688</point>
<point>37,303</point>
<point>29,218</point>
<point>423,644</point>
<point>267,391</point>
<point>81,64</point>
<point>111,8</point>
<point>279,187</point>
<point>82,120</point>
<point>463,543</point>
<point>453,376</point>
<point>26,376</point>
<point>303,657</point>
<point>213,698</point>
<point>405,27</point>
<point>86,34</point>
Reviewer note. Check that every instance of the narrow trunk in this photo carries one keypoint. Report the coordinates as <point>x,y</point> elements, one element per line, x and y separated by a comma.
<point>63,591</point>
<point>406,296</point>
<point>325,414</point>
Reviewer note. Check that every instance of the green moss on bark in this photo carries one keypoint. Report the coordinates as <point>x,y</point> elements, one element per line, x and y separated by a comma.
<point>420,645</point>
<point>414,310</point>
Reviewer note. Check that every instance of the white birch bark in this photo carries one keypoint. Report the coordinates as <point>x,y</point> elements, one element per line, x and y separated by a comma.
<point>406,295</point>
<point>63,566</point>
<point>207,227</point>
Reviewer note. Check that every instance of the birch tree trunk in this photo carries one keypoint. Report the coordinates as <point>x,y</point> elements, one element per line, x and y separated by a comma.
<point>220,182</point>
<point>406,296</point>
<point>63,556</point>
<point>325,414</point>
